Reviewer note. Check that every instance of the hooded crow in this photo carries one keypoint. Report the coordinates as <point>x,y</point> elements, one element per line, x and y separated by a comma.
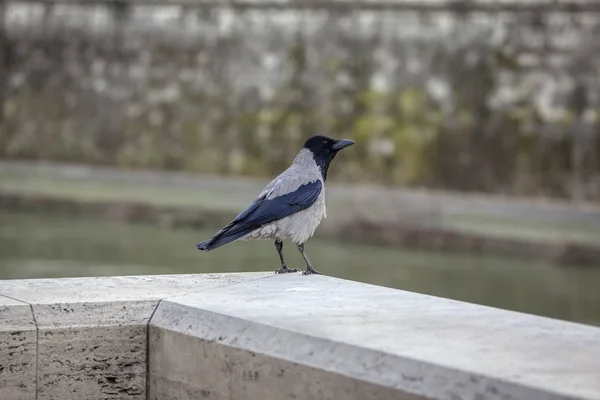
<point>290,207</point>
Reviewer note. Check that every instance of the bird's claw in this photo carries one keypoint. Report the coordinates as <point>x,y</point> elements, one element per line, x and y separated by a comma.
<point>286,270</point>
<point>311,271</point>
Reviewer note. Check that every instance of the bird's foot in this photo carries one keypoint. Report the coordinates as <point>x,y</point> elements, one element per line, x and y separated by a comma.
<point>285,270</point>
<point>311,271</point>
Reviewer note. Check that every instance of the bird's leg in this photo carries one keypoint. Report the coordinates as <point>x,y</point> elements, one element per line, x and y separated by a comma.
<point>284,269</point>
<point>309,268</point>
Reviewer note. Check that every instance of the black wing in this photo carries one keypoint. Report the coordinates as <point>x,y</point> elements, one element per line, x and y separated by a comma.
<point>262,212</point>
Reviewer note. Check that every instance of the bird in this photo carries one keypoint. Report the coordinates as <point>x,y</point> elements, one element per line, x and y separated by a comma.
<point>290,207</point>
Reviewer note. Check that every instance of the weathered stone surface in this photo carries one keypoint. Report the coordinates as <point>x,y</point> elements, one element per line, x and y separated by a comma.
<point>185,367</point>
<point>17,350</point>
<point>292,337</point>
<point>93,331</point>
<point>93,350</point>
<point>117,288</point>
<point>323,338</point>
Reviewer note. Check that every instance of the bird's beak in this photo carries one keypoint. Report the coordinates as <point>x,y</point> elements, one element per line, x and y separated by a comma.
<point>342,144</point>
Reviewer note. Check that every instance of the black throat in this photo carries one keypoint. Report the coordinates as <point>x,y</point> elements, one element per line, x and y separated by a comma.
<point>323,161</point>
<point>323,151</point>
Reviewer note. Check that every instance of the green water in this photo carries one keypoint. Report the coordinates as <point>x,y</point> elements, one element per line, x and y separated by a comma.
<point>36,246</point>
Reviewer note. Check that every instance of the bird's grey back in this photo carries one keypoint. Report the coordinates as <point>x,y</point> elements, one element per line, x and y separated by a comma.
<point>303,170</point>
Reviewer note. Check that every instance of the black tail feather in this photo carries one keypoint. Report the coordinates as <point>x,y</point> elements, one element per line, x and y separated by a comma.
<point>220,239</point>
<point>204,246</point>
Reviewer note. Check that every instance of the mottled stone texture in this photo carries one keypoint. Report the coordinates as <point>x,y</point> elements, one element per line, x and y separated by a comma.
<point>296,337</point>
<point>93,350</point>
<point>488,101</point>
<point>187,367</point>
<point>244,337</point>
<point>17,350</point>
<point>92,332</point>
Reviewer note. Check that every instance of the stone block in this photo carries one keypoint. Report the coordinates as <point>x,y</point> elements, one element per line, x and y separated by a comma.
<point>17,350</point>
<point>316,337</point>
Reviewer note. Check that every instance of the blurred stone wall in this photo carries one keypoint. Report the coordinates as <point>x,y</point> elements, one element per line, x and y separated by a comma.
<point>481,100</point>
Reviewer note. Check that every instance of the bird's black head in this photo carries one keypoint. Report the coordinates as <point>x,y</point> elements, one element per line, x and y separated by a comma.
<point>325,149</point>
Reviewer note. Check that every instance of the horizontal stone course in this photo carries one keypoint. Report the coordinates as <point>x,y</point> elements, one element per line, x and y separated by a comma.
<point>262,336</point>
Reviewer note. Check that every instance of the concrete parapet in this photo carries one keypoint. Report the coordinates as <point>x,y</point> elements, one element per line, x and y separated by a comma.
<point>260,336</point>
<point>92,332</point>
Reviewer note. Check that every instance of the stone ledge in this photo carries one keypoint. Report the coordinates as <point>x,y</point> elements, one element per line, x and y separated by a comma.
<point>324,338</point>
<point>240,336</point>
<point>91,332</point>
